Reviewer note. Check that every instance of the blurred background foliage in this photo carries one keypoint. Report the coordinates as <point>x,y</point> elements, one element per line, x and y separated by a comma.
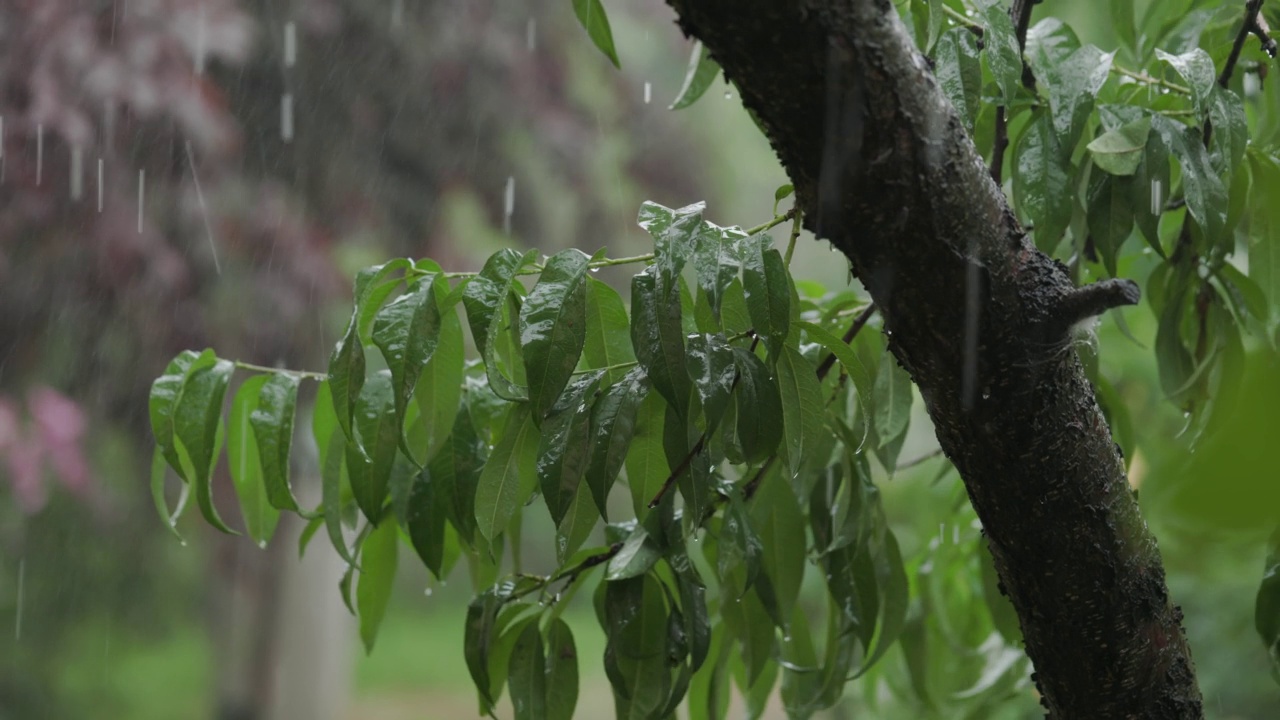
<point>188,173</point>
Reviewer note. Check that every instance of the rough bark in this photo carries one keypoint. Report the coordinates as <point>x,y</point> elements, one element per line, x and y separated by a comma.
<point>884,170</point>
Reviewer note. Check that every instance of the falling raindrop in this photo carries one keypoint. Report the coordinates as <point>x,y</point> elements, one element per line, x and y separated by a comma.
<point>648,92</point>
<point>262,544</point>
<point>728,95</point>
<point>142,186</point>
<point>531,34</point>
<point>286,117</point>
<point>290,43</point>
<point>1157,196</point>
<point>595,269</point>
<point>99,184</point>
<point>204,209</point>
<point>1,137</point>
<point>508,204</point>
<point>17,620</point>
<point>199,50</point>
<point>427,592</point>
<point>77,173</point>
<point>39,153</point>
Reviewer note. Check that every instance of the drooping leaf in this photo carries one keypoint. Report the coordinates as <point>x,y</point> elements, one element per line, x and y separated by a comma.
<point>638,554</point>
<point>1000,42</point>
<point>346,374</point>
<point>1197,71</point>
<point>486,299</point>
<point>782,193</point>
<point>711,366</point>
<point>646,460</point>
<point>379,436</point>
<point>561,671</point>
<point>892,400</point>
<point>1042,187</point>
<point>457,469</point>
<point>592,16</point>
<point>373,286</point>
<point>1073,86</point>
<point>698,77</point>
<point>576,526</point>
<point>1110,217</point>
<point>260,516</point>
<point>197,428</point>
<point>716,258</point>
<point>802,407</point>
<point>526,675</point>
<point>764,278</point>
<point>759,407</point>
<point>674,234</point>
<point>613,425</point>
<point>166,393</point>
<point>608,342</point>
<point>439,389</point>
<point>777,516</point>
<point>565,444</point>
<point>407,331</point>
<point>1205,193</point>
<point>658,339</point>
<point>424,520</point>
<point>272,421</point>
<point>158,474</point>
<point>377,576</point>
<point>1266,616</point>
<point>553,331</point>
<point>509,476</point>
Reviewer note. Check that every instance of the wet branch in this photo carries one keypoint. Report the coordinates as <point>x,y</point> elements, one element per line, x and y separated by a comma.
<point>1020,13</point>
<point>1254,24</point>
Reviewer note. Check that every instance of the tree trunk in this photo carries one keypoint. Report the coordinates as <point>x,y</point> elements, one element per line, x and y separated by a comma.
<point>884,170</point>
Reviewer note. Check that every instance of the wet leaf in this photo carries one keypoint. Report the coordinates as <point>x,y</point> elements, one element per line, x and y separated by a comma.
<point>166,393</point>
<point>782,193</point>
<point>260,516</point>
<point>379,435</point>
<point>658,339</point>
<point>716,258</point>
<point>425,520</point>
<point>765,280</point>
<point>439,386</point>
<point>646,461</point>
<point>959,71</point>
<point>1001,47</point>
<point>373,286</point>
<point>565,444</point>
<point>711,366</point>
<point>526,675</point>
<point>197,428</point>
<point>1042,188</point>
<point>892,400</point>
<point>608,342</point>
<point>802,407</point>
<point>576,526</point>
<point>346,375</point>
<point>407,331</point>
<point>1073,86</point>
<point>331,491</point>
<point>613,425</point>
<point>553,323</point>
<point>272,421</point>
<point>485,298</point>
<point>594,20</point>
<point>759,408</point>
<point>561,671</point>
<point>639,553</point>
<point>158,473</point>
<point>456,467</point>
<point>377,577</point>
<point>778,517</point>
<point>1267,605</point>
<point>674,234</point>
<point>1120,151</point>
<point>699,76</point>
<point>1197,71</point>
<point>509,477</point>
<point>1205,193</point>
<point>1110,217</point>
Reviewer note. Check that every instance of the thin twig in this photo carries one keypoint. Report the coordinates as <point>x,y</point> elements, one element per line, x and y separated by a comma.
<point>319,377</point>
<point>1143,77</point>
<point>752,485</point>
<point>1248,25</point>
<point>778,220</point>
<point>795,235</point>
<point>1020,14</point>
<point>919,460</point>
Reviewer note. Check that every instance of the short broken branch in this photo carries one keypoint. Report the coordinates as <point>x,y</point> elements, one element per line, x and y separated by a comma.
<point>1093,300</point>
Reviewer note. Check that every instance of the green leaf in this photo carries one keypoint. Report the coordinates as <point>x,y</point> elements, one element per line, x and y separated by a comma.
<point>658,339</point>
<point>561,671</point>
<point>698,77</point>
<point>802,407</point>
<point>377,576</point>
<point>157,494</point>
<point>635,622</point>
<point>424,520</point>
<point>1049,43</point>
<point>577,524</point>
<point>1149,189</point>
<point>565,444</point>
<point>1110,217</point>
<point>594,20</point>
<point>509,476</point>
<point>346,374</point>
<point>480,631</point>
<point>613,425</point>
<point>1120,151</point>
<point>553,324</point>
<point>457,468</point>
<point>379,435</point>
<point>711,366</point>
<point>892,400</point>
<point>638,554</point>
<point>759,407</point>
<point>260,516</point>
<point>608,342</point>
<point>959,71</point>
<point>891,578</point>
<point>674,234</point>
<point>1205,193</point>
<point>1042,187</point>
<point>646,461</point>
<point>1001,47</point>
<point>1264,229</point>
<point>782,193</point>
<point>1197,71</point>
<point>271,418</point>
<point>372,288</point>
<point>1073,85</point>
<point>716,258</point>
<point>858,371</point>
<point>485,298</point>
<point>439,388</point>
<point>1230,131</point>
<point>764,278</point>
<point>331,478</point>
<point>166,393</point>
<point>1173,361</point>
<point>526,675</point>
<point>1266,615</point>
<point>197,426</point>
<point>777,515</point>
<point>407,331</point>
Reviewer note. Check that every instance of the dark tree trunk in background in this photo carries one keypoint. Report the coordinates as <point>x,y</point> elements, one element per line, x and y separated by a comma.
<point>883,169</point>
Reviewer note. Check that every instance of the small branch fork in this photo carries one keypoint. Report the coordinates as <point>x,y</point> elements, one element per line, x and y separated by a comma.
<point>1020,13</point>
<point>1254,23</point>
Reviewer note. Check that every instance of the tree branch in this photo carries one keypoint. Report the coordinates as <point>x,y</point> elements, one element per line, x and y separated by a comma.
<point>1252,13</point>
<point>1020,14</point>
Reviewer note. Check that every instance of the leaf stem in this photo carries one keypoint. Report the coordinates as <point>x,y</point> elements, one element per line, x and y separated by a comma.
<point>858,323</point>
<point>964,20</point>
<point>607,368</point>
<point>778,220</point>
<point>795,235</point>
<point>306,374</point>
<point>1143,77</point>
<point>595,264</point>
